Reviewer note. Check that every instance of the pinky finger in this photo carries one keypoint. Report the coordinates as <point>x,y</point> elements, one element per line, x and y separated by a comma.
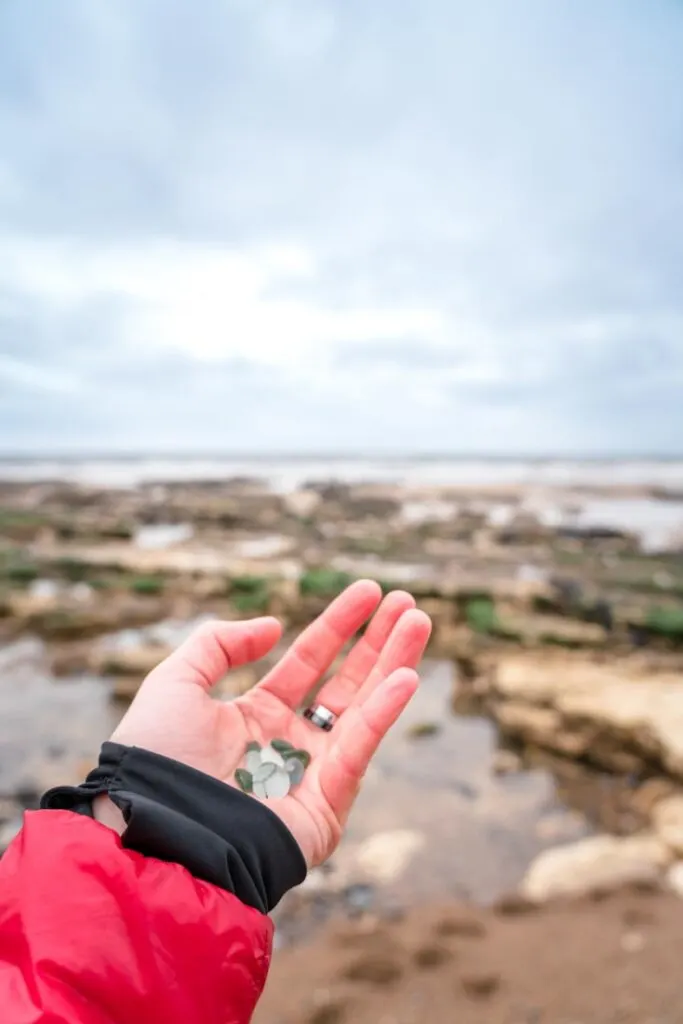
<point>357,735</point>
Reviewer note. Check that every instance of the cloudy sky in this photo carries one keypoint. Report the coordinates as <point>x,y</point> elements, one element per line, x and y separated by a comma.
<point>332,225</point>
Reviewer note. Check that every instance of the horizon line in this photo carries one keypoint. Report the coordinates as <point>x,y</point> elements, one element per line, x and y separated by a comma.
<point>105,455</point>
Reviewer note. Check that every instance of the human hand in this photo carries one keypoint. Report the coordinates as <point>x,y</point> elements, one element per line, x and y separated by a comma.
<point>173,713</point>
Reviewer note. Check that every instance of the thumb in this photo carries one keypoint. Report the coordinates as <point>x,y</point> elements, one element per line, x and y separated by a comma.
<point>216,647</point>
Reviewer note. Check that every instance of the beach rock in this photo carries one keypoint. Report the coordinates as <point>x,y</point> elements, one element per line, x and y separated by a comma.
<point>130,661</point>
<point>423,730</point>
<point>463,924</point>
<point>284,595</point>
<point>70,659</point>
<point>332,1010</point>
<point>616,718</point>
<point>124,688</point>
<point>386,855</point>
<point>8,831</point>
<point>534,724</point>
<point>431,955</point>
<point>596,864</point>
<point>674,878</point>
<point>553,629</point>
<point>374,969</point>
<point>441,612</point>
<point>73,622</point>
<point>653,791</point>
<point>454,640</point>
<point>481,985</point>
<point>667,821</point>
<point>506,762</point>
<point>302,503</point>
<point>25,604</point>
<point>9,810</point>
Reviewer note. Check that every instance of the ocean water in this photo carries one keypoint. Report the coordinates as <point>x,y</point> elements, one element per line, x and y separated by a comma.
<point>286,474</point>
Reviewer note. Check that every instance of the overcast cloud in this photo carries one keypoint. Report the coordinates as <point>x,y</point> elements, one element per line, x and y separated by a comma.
<point>314,225</point>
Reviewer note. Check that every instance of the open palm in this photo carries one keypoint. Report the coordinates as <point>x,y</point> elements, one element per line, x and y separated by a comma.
<point>174,714</point>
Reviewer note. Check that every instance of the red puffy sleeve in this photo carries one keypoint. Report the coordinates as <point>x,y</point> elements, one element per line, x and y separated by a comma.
<point>94,933</point>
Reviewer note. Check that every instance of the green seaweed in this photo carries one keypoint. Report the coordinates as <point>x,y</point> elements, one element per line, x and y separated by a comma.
<point>249,584</point>
<point>324,582</point>
<point>21,572</point>
<point>481,615</point>
<point>147,586</point>
<point>251,603</point>
<point>666,622</point>
<point>74,569</point>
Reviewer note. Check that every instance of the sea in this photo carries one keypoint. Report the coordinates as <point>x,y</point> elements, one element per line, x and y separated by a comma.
<point>286,473</point>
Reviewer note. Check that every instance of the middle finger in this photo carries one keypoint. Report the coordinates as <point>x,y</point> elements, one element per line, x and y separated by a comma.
<point>338,693</point>
<point>313,652</point>
<point>404,649</point>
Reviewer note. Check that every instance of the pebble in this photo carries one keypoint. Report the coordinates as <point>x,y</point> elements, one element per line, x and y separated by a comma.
<point>264,772</point>
<point>277,786</point>
<point>480,986</point>
<point>331,1011</point>
<point>295,770</point>
<point>506,762</point>
<point>377,970</point>
<point>423,730</point>
<point>272,773</point>
<point>270,756</point>
<point>632,942</point>
<point>359,898</point>
<point>386,855</point>
<point>429,957</point>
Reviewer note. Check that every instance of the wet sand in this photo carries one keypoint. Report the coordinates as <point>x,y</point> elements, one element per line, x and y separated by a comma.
<point>616,961</point>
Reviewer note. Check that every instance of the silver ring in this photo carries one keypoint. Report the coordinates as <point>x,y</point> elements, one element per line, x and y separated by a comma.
<point>321,716</point>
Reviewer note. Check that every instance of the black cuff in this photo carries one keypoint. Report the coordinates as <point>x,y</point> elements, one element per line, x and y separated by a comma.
<point>179,814</point>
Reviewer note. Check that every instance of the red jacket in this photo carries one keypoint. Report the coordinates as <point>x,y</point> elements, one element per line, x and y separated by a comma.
<point>93,933</point>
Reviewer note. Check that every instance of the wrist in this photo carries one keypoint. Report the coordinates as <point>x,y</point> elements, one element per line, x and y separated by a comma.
<point>107,813</point>
<point>175,813</point>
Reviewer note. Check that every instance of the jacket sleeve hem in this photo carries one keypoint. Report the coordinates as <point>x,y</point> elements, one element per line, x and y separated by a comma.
<point>178,814</point>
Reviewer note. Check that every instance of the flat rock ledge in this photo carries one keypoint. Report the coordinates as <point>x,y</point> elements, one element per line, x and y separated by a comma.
<point>616,719</point>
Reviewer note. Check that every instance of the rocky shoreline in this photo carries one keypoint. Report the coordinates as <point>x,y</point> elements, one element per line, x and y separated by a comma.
<point>567,634</point>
